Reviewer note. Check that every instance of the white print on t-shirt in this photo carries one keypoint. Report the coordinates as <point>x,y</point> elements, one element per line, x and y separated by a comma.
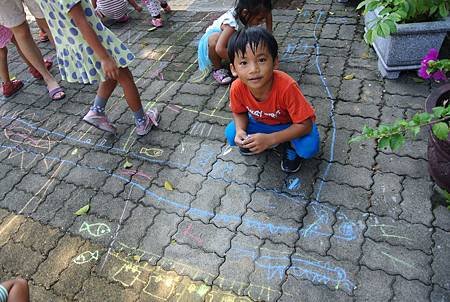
<point>260,113</point>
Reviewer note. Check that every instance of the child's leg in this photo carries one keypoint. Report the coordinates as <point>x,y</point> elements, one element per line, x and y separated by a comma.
<point>216,60</point>
<point>4,72</point>
<point>17,290</point>
<point>307,146</point>
<point>42,24</point>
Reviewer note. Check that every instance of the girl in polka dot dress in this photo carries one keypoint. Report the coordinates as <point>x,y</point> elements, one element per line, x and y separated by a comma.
<point>88,52</point>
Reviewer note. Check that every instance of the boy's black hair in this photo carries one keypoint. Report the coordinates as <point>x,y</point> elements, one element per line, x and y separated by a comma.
<point>254,7</point>
<point>253,36</point>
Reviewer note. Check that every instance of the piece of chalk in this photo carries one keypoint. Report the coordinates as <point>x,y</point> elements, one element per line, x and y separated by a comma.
<point>152,29</point>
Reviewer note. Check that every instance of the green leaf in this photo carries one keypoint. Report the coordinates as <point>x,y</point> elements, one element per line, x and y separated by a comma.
<point>441,130</point>
<point>443,12</point>
<point>385,29</point>
<point>397,141</point>
<point>424,117</point>
<point>438,112</point>
<point>127,164</point>
<point>168,185</point>
<point>384,142</point>
<point>83,211</point>
<point>415,130</point>
<point>356,138</point>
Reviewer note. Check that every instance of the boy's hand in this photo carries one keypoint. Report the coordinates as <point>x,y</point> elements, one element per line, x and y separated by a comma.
<point>240,138</point>
<point>257,143</point>
<point>110,68</point>
<point>138,8</point>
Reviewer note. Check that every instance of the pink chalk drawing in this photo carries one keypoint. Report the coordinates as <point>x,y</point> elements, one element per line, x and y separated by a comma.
<point>188,233</point>
<point>135,173</point>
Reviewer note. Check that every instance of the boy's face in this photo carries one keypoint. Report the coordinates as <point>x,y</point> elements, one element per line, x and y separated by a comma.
<point>255,69</point>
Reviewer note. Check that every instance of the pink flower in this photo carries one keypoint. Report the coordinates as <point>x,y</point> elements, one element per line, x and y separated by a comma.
<point>431,56</point>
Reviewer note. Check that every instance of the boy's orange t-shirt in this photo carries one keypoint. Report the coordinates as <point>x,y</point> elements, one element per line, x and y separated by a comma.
<point>284,105</point>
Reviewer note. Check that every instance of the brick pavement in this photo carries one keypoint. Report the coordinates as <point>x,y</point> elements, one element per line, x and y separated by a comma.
<point>355,224</point>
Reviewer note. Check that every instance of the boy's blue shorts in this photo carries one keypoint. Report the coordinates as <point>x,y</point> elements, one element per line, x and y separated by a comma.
<point>306,146</point>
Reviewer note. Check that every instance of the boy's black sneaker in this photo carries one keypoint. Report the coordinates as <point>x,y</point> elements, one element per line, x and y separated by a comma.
<point>290,162</point>
<point>245,151</point>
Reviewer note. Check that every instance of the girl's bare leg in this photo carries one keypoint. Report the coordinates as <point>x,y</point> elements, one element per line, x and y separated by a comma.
<point>216,60</point>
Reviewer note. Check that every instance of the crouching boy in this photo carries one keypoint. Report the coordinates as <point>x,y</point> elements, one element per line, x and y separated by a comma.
<point>268,106</point>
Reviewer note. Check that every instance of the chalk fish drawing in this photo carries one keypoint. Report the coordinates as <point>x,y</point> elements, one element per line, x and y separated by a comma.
<point>152,152</point>
<point>86,257</point>
<point>95,229</point>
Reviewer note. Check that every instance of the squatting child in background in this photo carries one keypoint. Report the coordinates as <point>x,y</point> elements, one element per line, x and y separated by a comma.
<point>153,7</point>
<point>212,47</point>
<point>268,106</point>
<point>116,10</point>
<point>14,290</point>
<point>88,52</point>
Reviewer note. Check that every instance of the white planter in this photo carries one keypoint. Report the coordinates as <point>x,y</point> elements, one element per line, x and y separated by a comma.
<point>405,49</point>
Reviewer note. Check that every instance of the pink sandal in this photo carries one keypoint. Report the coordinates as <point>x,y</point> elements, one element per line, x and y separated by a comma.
<point>52,93</point>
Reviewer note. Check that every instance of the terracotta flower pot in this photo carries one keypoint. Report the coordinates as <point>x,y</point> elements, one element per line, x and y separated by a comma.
<point>439,150</point>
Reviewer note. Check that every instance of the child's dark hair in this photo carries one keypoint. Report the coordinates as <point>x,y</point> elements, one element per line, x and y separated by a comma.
<point>253,7</point>
<point>253,36</point>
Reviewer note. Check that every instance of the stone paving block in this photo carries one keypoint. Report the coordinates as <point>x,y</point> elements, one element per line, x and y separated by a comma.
<point>134,228</point>
<point>317,228</point>
<point>406,86</point>
<point>438,294</point>
<point>313,91</point>
<point>71,280</point>
<point>205,157</point>
<point>184,121</point>
<point>158,235</point>
<point>386,197</point>
<point>196,264</point>
<point>401,165</point>
<point>345,195</point>
<point>235,173</point>
<point>105,161</point>
<point>186,150</point>
<point>372,94</point>
<point>207,200</point>
<point>110,208</point>
<point>197,89</point>
<point>440,265</point>
<point>272,177</point>
<point>168,91</point>
<point>335,67</point>
<point>346,174</point>
<point>204,236</point>
<point>406,290</point>
<point>416,149</point>
<point>38,293</point>
<point>239,263</point>
<point>161,138</point>
<point>183,181</point>
<point>325,271</point>
<point>390,114</point>
<point>263,226</point>
<point>349,90</point>
<point>309,292</point>
<point>404,101</point>
<point>97,287</point>
<point>278,205</point>
<point>64,217</point>
<point>271,265</point>
<point>442,218</point>
<point>194,101</point>
<point>416,205</point>
<point>354,123</point>
<point>372,75</point>
<point>57,261</point>
<point>46,210</point>
<point>411,264</point>
<point>86,176</point>
<point>373,285</point>
<point>170,201</point>
<point>17,201</point>
<point>37,237</point>
<point>348,235</point>
<point>233,204</point>
<point>357,109</point>
<point>399,232</point>
<point>35,183</point>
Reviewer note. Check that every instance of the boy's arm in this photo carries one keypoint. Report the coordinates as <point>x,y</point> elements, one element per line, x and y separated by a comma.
<point>259,142</point>
<point>241,122</point>
<point>109,66</point>
<point>269,22</point>
<point>136,6</point>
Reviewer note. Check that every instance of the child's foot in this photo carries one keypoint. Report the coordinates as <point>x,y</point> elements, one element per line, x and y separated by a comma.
<point>99,121</point>
<point>290,162</point>
<point>157,22</point>
<point>222,76</point>
<point>152,118</point>
<point>43,37</point>
<point>36,74</point>
<point>166,8</point>
<point>11,87</point>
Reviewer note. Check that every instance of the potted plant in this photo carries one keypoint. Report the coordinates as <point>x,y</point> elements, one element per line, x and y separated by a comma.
<point>436,118</point>
<point>402,31</point>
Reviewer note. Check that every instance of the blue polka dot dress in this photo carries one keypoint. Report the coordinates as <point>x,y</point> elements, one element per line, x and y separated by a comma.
<point>76,60</point>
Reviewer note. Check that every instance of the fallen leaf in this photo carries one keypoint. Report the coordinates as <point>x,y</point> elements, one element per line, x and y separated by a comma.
<point>168,185</point>
<point>365,55</point>
<point>75,151</point>
<point>127,164</point>
<point>331,13</point>
<point>349,76</point>
<point>137,258</point>
<point>83,210</point>
<point>173,241</point>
